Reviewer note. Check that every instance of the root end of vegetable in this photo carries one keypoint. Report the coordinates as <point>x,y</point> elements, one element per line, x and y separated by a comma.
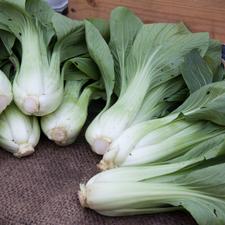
<point>31,104</point>
<point>104,165</point>
<point>101,145</point>
<point>82,195</point>
<point>59,135</point>
<point>24,150</point>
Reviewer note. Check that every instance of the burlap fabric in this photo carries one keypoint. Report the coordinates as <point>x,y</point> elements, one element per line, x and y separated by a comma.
<point>42,189</point>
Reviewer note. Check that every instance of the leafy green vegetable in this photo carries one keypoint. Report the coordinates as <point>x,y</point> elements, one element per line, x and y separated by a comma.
<point>142,190</point>
<point>19,133</point>
<point>64,124</point>
<point>199,120</point>
<point>102,26</point>
<point>100,53</point>
<point>213,55</point>
<point>38,84</point>
<point>201,73</point>
<point>150,57</point>
<point>124,26</point>
<point>175,145</point>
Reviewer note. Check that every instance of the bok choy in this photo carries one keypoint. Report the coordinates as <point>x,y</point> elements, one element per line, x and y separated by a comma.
<point>160,188</point>
<point>19,133</point>
<point>145,57</point>
<point>83,82</point>
<point>38,84</point>
<point>199,119</point>
<point>64,125</point>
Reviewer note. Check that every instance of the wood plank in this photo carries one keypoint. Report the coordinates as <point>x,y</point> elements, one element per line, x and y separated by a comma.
<point>198,15</point>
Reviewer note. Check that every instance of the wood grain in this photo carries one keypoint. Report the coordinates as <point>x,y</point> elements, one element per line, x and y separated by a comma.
<point>198,15</point>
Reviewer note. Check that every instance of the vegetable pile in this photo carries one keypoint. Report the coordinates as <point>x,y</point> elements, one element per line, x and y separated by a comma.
<point>161,132</point>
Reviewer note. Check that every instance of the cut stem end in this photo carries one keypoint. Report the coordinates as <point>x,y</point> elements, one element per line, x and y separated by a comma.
<point>105,165</point>
<point>31,104</point>
<point>82,195</point>
<point>58,135</point>
<point>101,145</point>
<point>24,150</point>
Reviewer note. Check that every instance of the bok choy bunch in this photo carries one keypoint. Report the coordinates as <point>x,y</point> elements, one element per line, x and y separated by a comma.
<point>19,133</point>
<point>196,123</point>
<point>83,82</point>
<point>38,85</point>
<point>199,189</point>
<point>64,125</point>
<point>145,57</point>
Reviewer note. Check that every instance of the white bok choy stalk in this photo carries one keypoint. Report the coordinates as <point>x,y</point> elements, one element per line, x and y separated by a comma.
<point>169,142</point>
<point>145,56</point>
<point>38,85</point>
<point>6,95</point>
<point>64,125</point>
<point>196,186</point>
<point>171,147</point>
<point>199,118</point>
<point>6,43</point>
<point>19,133</point>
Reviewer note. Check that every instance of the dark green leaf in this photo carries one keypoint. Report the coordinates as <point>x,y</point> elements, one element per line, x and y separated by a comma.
<point>195,71</point>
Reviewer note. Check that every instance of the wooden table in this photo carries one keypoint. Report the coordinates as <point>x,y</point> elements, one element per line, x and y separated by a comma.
<point>198,15</point>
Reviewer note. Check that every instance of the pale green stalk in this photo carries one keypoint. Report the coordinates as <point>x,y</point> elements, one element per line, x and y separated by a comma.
<point>157,145</point>
<point>19,133</point>
<point>196,186</point>
<point>129,139</point>
<point>45,90</point>
<point>6,95</point>
<point>171,147</point>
